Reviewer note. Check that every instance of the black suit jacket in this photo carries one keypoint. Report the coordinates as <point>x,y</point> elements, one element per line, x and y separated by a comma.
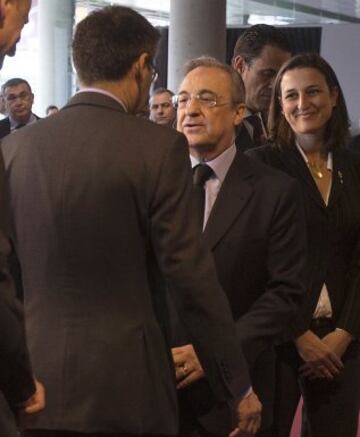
<point>333,233</point>
<point>16,381</point>
<point>5,126</point>
<point>256,232</point>
<point>243,139</point>
<point>100,203</point>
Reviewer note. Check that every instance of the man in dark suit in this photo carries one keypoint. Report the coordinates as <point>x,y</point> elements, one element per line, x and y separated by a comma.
<point>102,198</point>
<point>18,98</point>
<point>253,223</point>
<point>259,53</point>
<point>17,387</point>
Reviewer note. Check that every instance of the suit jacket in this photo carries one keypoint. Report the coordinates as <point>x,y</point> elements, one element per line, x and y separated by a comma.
<point>243,139</point>
<point>16,380</point>
<point>256,232</point>
<point>100,205</point>
<point>5,126</point>
<point>333,233</point>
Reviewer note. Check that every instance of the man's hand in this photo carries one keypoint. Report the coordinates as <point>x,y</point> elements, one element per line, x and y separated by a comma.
<point>249,416</point>
<point>187,366</point>
<point>37,401</point>
<point>338,341</point>
<point>320,360</point>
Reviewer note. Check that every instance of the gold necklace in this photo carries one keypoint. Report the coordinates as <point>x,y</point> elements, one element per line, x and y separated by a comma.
<point>316,170</point>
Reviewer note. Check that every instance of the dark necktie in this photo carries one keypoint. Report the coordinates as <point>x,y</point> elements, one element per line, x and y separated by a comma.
<point>201,173</point>
<point>259,137</point>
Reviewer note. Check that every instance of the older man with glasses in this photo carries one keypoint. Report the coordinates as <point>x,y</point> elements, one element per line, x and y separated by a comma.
<point>252,220</point>
<point>18,99</point>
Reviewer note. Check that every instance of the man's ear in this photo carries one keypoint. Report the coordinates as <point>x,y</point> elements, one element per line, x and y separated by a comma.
<point>239,64</point>
<point>140,65</point>
<point>239,113</point>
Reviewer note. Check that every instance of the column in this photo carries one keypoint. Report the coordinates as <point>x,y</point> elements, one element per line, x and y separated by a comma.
<point>196,28</point>
<point>55,27</point>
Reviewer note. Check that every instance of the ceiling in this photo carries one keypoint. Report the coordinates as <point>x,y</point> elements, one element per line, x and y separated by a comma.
<point>247,12</point>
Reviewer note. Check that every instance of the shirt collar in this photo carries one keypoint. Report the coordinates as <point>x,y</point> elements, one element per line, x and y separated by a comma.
<point>219,165</point>
<point>14,124</point>
<point>104,92</point>
<point>329,164</point>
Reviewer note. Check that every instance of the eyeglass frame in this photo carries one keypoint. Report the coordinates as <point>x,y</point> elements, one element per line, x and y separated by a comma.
<point>155,73</point>
<point>24,96</point>
<point>210,104</point>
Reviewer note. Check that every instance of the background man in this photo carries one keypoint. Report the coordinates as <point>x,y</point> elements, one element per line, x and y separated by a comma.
<point>51,109</point>
<point>259,53</point>
<point>17,388</point>
<point>18,99</point>
<point>253,222</point>
<point>106,211</point>
<point>162,110</point>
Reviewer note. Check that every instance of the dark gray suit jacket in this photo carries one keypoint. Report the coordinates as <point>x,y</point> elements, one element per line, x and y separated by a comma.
<point>101,213</point>
<point>16,380</point>
<point>256,232</point>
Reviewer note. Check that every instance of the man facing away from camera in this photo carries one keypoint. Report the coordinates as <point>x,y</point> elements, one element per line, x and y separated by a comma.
<point>103,199</point>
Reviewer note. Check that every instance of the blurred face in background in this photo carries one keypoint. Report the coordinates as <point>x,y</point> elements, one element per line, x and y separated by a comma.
<point>18,101</point>
<point>161,109</point>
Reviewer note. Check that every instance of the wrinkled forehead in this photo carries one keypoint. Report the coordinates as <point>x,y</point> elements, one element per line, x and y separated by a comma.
<point>202,79</point>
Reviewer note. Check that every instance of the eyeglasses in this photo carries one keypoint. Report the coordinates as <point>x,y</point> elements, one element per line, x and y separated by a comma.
<point>154,74</point>
<point>11,98</point>
<point>205,99</point>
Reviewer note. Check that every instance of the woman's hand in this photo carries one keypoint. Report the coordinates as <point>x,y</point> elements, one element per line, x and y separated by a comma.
<point>320,360</point>
<point>338,341</point>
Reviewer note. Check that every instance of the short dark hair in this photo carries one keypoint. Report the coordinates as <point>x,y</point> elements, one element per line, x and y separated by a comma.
<point>50,107</point>
<point>15,82</point>
<point>237,84</point>
<point>251,42</point>
<point>161,91</point>
<point>337,128</point>
<point>109,40</point>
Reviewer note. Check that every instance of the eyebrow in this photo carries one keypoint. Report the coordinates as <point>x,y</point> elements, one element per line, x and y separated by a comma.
<point>203,90</point>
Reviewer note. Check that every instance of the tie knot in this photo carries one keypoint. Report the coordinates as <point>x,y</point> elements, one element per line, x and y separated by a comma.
<point>201,174</point>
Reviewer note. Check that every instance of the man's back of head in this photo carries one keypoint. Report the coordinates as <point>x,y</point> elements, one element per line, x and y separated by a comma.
<point>258,55</point>
<point>113,49</point>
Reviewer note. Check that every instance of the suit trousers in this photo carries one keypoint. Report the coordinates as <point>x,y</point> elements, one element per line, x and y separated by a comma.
<point>331,408</point>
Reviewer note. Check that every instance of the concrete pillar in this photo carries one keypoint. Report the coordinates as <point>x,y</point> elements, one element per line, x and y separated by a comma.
<point>56,18</point>
<point>196,28</point>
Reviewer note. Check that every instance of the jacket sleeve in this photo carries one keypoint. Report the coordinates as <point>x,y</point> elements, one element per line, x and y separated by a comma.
<point>270,317</point>
<point>190,272</point>
<point>16,380</point>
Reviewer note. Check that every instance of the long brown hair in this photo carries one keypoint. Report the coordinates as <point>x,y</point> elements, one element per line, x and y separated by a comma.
<point>337,128</point>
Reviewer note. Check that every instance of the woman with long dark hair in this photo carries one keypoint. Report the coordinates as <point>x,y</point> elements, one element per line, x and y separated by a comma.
<point>308,126</point>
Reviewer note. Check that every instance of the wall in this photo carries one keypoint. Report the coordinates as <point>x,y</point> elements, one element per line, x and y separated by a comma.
<point>340,47</point>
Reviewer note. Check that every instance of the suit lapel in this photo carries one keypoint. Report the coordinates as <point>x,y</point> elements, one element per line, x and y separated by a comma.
<point>337,179</point>
<point>234,194</point>
<point>293,158</point>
